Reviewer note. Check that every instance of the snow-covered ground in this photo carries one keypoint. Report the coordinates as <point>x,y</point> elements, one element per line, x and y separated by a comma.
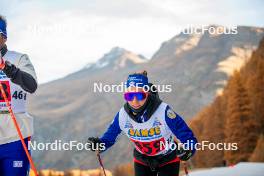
<point>241,169</point>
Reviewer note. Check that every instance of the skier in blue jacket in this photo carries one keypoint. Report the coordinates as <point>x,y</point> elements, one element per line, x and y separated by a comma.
<point>153,127</point>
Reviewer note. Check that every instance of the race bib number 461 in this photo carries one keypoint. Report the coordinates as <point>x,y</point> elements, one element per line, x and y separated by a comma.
<point>6,87</point>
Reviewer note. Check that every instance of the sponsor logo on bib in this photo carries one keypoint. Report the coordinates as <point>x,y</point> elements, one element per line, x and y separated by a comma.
<point>154,131</point>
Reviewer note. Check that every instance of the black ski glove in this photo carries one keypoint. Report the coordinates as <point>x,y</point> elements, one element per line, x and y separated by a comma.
<point>17,76</point>
<point>184,155</point>
<point>94,144</point>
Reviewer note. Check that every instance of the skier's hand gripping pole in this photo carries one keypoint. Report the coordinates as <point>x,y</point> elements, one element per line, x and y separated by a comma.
<point>18,130</point>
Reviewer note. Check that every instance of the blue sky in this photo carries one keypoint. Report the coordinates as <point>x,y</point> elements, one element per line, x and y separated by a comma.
<point>62,36</point>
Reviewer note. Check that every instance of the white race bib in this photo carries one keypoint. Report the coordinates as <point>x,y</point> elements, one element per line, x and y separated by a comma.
<point>14,93</point>
<point>148,136</point>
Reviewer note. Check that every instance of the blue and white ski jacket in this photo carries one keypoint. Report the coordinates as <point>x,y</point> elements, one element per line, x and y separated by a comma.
<point>153,137</point>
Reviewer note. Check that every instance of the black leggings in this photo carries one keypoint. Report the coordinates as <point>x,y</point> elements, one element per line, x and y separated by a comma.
<point>171,169</point>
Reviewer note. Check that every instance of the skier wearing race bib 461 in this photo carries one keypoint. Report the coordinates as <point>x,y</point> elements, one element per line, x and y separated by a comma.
<point>153,127</point>
<point>17,77</point>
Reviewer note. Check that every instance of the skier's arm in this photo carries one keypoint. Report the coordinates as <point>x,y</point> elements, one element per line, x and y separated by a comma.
<point>23,74</point>
<point>180,129</point>
<point>111,134</point>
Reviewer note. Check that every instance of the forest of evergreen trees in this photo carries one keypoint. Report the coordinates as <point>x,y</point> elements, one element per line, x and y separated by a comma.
<point>236,116</point>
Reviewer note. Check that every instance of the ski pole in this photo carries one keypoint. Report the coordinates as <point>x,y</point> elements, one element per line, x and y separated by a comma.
<point>185,169</point>
<point>100,161</point>
<point>18,129</point>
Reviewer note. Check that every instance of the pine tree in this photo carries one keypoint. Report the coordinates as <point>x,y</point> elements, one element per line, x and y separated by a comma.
<point>241,126</point>
<point>255,86</point>
<point>214,132</point>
